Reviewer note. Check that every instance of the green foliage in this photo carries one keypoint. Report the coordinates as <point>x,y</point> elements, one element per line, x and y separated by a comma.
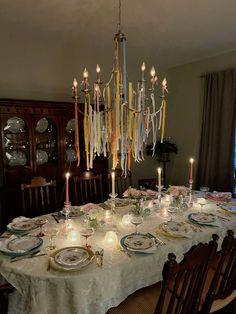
<point>160,148</point>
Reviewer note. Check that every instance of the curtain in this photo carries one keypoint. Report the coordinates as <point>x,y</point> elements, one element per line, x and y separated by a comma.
<point>216,155</point>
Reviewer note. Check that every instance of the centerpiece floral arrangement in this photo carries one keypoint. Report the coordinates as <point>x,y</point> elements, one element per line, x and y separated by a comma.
<point>179,193</point>
<point>93,214</point>
<point>139,196</point>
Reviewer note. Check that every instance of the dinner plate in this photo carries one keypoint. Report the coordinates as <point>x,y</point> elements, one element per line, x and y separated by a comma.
<point>16,158</point>
<point>175,229</point>
<point>70,155</point>
<point>71,256</point>
<point>229,208</point>
<point>138,242</point>
<point>42,125</point>
<point>15,125</point>
<point>203,218</point>
<point>22,245</point>
<point>64,266</point>
<point>41,157</point>
<point>74,211</point>
<point>22,226</point>
<point>70,127</point>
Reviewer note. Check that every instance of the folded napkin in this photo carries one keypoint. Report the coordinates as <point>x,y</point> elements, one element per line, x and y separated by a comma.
<point>4,244</point>
<point>17,219</point>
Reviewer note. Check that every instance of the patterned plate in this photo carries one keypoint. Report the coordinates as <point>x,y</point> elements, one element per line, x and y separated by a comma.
<point>74,212</point>
<point>138,241</point>
<point>71,258</point>
<point>175,229</point>
<point>25,243</point>
<point>203,218</point>
<point>22,226</point>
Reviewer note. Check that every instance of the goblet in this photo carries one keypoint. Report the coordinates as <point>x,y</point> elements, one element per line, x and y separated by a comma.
<point>204,189</point>
<point>136,220</point>
<point>86,233</point>
<point>172,210</point>
<point>40,222</point>
<point>51,230</point>
<point>201,201</point>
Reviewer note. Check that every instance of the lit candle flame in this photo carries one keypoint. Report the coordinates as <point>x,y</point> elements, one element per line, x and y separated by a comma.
<point>75,84</point>
<point>143,67</point>
<point>153,71</point>
<point>85,73</point>
<point>98,69</point>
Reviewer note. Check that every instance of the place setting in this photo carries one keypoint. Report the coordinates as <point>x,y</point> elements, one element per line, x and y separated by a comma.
<point>22,226</point>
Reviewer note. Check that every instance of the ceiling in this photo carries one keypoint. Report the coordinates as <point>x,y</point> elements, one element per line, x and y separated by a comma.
<point>167,33</point>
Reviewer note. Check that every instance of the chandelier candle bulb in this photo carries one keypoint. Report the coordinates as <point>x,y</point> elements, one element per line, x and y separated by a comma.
<point>67,189</point>
<point>191,161</point>
<point>159,179</point>
<point>113,183</point>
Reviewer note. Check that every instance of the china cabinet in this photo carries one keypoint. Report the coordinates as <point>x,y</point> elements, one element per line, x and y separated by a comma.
<point>37,139</point>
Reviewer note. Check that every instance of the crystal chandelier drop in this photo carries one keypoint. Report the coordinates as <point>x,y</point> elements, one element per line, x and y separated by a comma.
<point>121,118</point>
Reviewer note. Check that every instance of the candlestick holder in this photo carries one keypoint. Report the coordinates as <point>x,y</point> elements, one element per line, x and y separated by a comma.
<point>190,193</point>
<point>159,189</point>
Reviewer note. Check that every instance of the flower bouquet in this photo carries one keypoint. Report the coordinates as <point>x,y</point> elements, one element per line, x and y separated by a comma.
<point>93,214</point>
<point>179,194</point>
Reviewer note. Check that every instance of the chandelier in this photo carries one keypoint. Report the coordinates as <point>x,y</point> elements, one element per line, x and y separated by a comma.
<point>122,116</point>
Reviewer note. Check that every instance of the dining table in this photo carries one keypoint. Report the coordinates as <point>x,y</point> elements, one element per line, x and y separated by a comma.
<point>114,272</point>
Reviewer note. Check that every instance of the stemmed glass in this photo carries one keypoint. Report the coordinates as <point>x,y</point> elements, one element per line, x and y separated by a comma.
<point>204,189</point>
<point>86,233</point>
<point>40,222</point>
<point>136,220</point>
<point>51,230</point>
<point>172,210</point>
<point>202,202</point>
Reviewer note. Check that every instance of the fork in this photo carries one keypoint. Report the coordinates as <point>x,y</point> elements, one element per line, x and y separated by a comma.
<point>160,241</point>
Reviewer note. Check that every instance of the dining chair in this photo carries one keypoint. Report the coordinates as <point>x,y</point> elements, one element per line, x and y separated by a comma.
<point>122,182</point>
<point>150,183</point>
<point>39,196</point>
<point>88,188</point>
<point>180,290</point>
<point>5,289</point>
<point>220,287</point>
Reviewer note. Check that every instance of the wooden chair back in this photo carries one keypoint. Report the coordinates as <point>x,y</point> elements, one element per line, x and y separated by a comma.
<point>39,197</point>
<point>88,188</point>
<point>183,282</point>
<point>223,282</point>
<point>122,182</point>
<point>150,183</point>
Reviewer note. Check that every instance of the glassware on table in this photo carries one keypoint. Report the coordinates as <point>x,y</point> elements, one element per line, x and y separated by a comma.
<point>136,220</point>
<point>40,222</point>
<point>172,210</point>
<point>51,230</point>
<point>204,189</point>
<point>86,233</point>
<point>202,202</point>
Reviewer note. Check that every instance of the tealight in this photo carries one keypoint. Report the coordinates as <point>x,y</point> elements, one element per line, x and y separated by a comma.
<point>107,216</point>
<point>111,239</point>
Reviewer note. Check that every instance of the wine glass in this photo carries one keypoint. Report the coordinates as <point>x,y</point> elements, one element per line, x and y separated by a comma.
<point>51,230</point>
<point>136,220</point>
<point>204,189</point>
<point>172,210</point>
<point>86,233</point>
<point>40,222</point>
<point>202,202</point>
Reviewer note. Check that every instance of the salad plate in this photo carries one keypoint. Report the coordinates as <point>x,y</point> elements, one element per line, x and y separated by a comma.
<point>203,218</point>
<point>70,155</point>
<point>71,258</point>
<point>175,229</point>
<point>16,158</point>
<point>22,226</point>
<point>21,245</point>
<point>138,242</point>
<point>74,211</point>
<point>41,157</point>
<point>42,125</point>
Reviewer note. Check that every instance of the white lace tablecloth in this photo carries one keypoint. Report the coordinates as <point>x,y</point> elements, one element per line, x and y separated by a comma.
<point>94,290</point>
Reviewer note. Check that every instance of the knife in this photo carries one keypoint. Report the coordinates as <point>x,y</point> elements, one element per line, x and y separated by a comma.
<point>55,217</point>
<point>18,258</point>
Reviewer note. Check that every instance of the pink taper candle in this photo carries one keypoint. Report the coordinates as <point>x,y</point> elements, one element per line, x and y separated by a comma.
<point>191,160</point>
<point>67,188</point>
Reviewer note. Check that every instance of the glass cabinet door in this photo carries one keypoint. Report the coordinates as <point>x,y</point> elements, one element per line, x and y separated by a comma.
<point>16,142</point>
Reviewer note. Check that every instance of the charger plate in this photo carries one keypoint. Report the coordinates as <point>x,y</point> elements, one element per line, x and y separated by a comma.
<point>175,229</point>
<point>22,245</point>
<point>229,208</point>
<point>71,258</point>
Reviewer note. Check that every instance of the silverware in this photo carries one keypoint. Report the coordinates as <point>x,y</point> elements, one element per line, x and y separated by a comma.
<point>154,238</point>
<point>101,252</point>
<point>99,257</point>
<point>18,258</point>
<point>49,264</point>
<point>160,241</point>
<point>56,218</point>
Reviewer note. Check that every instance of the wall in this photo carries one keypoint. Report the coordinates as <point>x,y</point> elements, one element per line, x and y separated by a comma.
<point>185,109</point>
